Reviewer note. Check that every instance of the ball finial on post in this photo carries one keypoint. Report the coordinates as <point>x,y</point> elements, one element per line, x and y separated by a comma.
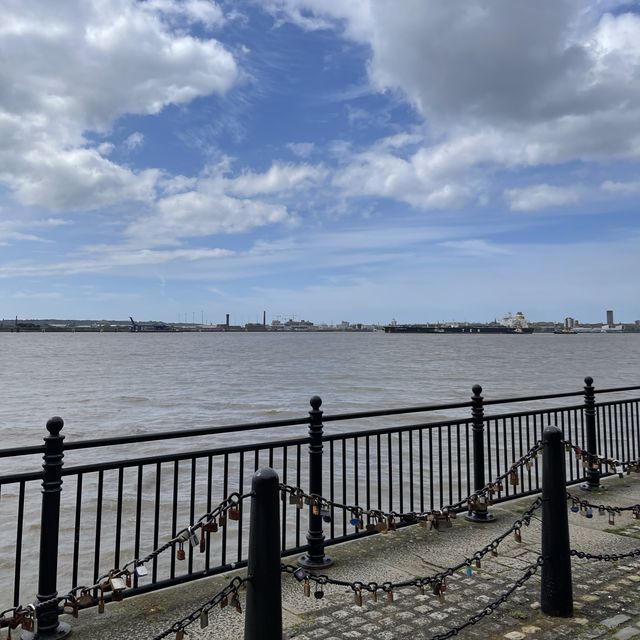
<point>315,402</point>
<point>54,425</point>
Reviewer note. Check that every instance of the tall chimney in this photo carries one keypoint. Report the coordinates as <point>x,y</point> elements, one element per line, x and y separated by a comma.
<point>227,320</point>
<point>264,318</point>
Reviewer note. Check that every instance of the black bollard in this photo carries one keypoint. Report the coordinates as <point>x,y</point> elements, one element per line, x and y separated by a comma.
<point>556,595</point>
<point>480,512</point>
<point>315,558</point>
<point>263,609</point>
<point>48,624</point>
<point>593,474</point>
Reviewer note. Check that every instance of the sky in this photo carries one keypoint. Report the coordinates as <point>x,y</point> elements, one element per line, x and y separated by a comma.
<point>365,161</point>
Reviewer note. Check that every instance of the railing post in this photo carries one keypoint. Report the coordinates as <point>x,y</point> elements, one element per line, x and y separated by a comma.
<point>263,608</point>
<point>48,624</point>
<point>556,596</point>
<point>315,557</point>
<point>593,474</point>
<point>479,511</point>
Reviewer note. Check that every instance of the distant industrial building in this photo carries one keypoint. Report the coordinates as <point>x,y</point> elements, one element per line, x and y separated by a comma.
<point>610,317</point>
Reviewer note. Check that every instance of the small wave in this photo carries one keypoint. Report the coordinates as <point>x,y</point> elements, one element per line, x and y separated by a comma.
<point>133,399</point>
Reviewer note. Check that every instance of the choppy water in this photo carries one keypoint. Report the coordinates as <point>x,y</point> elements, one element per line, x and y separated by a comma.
<point>110,384</point>
<point>120,384</point>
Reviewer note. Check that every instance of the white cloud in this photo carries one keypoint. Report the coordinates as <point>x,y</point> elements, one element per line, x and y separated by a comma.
<point>205,12</point>
<point>500,85</point>
<point>135,140</point>
<point>74,67</point>
<point>476,248</point>
<point>301,149</point>
<point>217,203</point>
<point>113,259</point>
<point>622,188</point>
<point>276,179</point>
<point>198,214</point>
<point>543,196</point>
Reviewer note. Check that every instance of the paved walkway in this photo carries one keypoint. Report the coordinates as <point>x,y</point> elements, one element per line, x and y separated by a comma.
<point>606,594</point>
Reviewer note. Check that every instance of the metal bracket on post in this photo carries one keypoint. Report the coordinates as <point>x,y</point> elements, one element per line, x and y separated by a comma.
<point>315,557</point>
<point>480,512</point>
<point>49,626</point>
<point>556,593</point>
<point>263,608</point>
<point>593,474</point>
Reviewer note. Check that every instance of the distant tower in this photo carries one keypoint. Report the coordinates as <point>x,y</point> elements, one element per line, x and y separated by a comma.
<point>610,317</point>
<point>264,318</point>
<point>227,321</point>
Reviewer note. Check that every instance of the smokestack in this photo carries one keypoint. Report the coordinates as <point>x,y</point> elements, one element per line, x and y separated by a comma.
<point>264,318</point>
<point>227,320</point>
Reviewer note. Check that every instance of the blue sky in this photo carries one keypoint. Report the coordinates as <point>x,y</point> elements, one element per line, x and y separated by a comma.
<point>321,159</point>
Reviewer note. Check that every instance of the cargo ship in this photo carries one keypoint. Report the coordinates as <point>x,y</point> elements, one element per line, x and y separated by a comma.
<point>509,324</point>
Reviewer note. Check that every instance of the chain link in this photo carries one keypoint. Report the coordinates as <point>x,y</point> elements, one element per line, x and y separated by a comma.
<point>83,595</point>
<point>596,461</point>
<point>386,520</point>
<point>490,608</point>
<point>606,557</point>
<point>602,508</point>
<point>221,597</point>
<point>437,580</point>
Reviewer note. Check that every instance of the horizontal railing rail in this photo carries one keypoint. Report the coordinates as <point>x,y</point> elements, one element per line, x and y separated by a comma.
<point>115,510</point>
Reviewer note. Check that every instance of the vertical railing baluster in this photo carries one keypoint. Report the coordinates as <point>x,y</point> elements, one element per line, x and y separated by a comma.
<point>379,469</point>
<point>430,469</point>
<point>18,564</point>
<point>332,490</point>
<point>174,514</point>
<point>136,551</point>
<point>421,459</point>
<point>116,558</point>
<point>98,527</point>
<point>283,498</point>
<point>207,559</point>
<point>315,556</point>
<point>345,500</point>
<point>76,530</point>
<point>156,520</point>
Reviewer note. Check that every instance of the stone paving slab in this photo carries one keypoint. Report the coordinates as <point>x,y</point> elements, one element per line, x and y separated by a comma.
<point>606,594</point>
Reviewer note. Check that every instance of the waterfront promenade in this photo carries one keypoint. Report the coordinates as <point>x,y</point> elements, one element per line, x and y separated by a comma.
<point>606,594</point>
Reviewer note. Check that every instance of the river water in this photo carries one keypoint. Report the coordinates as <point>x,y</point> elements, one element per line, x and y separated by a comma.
<point>119,384</point>
<point>106,384</point>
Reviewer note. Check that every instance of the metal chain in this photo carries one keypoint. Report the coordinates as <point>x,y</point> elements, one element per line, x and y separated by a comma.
<point>386,519</point>
<point>597,461</point>
<point>81,596</point>
<point>490,608</point>
<point>580,504</point>
<point>607,557</point>
<point>202,613</point>
<point>437,580</point>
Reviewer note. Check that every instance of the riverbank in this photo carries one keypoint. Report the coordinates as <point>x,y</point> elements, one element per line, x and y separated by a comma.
<point>606,594</point>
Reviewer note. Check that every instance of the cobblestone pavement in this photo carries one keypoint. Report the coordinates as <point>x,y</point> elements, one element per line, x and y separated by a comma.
<point>606,594</point>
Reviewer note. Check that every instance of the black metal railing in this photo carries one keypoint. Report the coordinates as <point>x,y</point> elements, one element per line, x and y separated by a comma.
<point>117,510</point>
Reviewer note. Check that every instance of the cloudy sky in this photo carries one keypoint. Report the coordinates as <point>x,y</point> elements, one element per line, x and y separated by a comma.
<point>330,160</point>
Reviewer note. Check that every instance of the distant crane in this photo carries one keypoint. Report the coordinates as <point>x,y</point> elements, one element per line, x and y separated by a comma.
<point>134,326</point>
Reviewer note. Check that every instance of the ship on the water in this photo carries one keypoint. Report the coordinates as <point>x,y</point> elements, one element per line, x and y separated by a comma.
<point>509,324</point>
